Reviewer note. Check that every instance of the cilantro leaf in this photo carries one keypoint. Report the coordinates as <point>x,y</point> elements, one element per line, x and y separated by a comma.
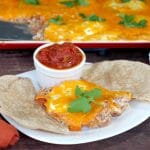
<point>142,23</point>
<point>92,17</point>
<point>125,1</point>
<point>33,2</point>
<point>68,3</point>
<point>80,105</point>
<point>130,22</point>
<point>95,93</point>
<point>82,15</point>
<point>78,91</point>
<point>84,100</point>
<point>82,2</point>
<point>57,20</point>
<point>72,3</point>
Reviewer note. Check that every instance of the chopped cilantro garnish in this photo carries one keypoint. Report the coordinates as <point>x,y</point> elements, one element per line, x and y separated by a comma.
<point>82,2</point>
<point>130,22</point>
<point>84,99</point>
<point>72,3</point>
<point>125,1</point>
<point>57,20</point>
<point>92,17</point>
<point>68,3</point>
<point>33,2</point>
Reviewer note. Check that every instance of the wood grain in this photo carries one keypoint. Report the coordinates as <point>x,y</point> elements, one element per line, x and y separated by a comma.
<point>13,62</point>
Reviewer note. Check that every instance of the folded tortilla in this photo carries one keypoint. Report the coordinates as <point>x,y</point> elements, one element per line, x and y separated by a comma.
<point>124,75</point>
<point>17,101</point>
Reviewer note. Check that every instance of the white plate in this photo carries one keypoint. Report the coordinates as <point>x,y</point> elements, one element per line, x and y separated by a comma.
<point>135,115</point>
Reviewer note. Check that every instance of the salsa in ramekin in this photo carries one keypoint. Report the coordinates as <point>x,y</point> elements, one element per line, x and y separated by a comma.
<point>55,63</point>
<point>60,56</point>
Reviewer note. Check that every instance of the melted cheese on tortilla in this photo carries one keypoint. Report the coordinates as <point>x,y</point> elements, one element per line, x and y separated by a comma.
<point>58,99</point>
<point>75,28</point>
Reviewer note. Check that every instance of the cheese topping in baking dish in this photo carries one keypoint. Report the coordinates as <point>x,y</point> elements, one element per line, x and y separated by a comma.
<point>81,20</point>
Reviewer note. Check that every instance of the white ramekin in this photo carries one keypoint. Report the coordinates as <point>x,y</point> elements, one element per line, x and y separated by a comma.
<point>49,77</point>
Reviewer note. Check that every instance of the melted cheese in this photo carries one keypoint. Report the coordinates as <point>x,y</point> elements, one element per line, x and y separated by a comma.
<point>80,31</point>
<point>58,99</point>
<point>75,28</point>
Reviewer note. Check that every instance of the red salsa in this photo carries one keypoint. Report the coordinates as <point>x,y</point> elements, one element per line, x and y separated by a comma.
<point>60,56</point>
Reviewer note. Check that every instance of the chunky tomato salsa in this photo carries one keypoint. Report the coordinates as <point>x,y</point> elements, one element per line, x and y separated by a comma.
<point>60,56</point>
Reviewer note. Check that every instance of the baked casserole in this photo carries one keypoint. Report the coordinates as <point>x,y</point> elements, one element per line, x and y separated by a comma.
<point>81,20</point>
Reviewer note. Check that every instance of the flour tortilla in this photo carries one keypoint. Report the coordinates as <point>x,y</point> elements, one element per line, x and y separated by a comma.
<point>123,75</point>
<point>17,101</point>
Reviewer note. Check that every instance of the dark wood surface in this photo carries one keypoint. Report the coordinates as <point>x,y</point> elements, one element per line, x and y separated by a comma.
<point>13,62</point>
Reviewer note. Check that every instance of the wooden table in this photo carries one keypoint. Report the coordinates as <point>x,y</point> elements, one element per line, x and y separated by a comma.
<point>13,62</point>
